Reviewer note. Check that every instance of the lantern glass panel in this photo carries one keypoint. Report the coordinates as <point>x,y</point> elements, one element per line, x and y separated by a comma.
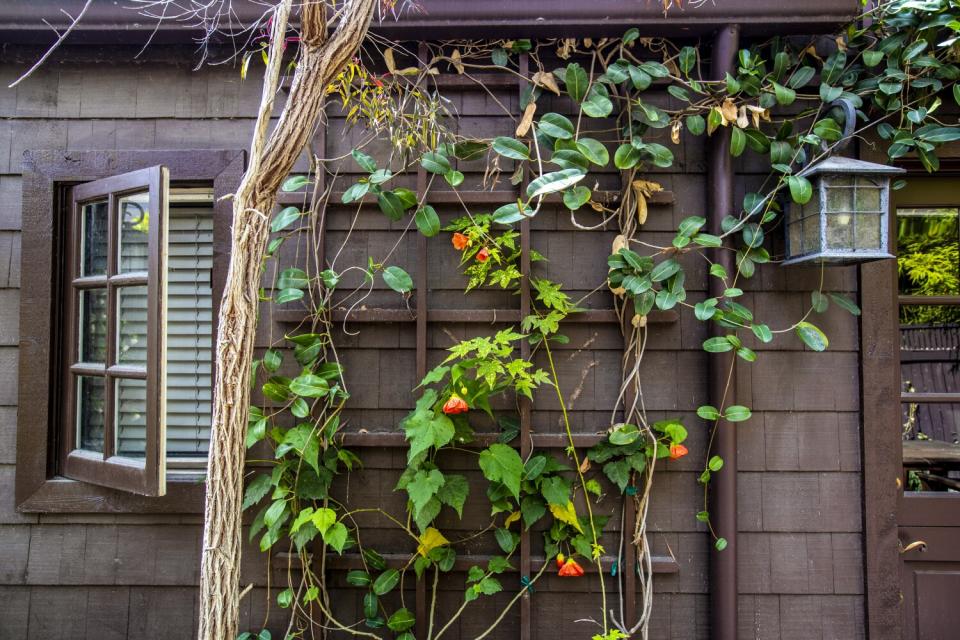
<point>840,193</point>
<point>840,231</point>
<point>868,232</point>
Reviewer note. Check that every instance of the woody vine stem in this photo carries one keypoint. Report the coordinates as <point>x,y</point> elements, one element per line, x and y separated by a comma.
<point>778,106</point>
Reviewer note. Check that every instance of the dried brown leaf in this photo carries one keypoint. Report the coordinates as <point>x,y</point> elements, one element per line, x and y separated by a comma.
<point>526,120</point>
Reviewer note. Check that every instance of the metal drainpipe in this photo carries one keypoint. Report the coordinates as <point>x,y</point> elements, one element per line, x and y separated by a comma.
<point>723,486</point>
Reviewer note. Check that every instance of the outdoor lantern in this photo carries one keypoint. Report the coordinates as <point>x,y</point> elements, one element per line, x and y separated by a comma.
<point>846,219</point>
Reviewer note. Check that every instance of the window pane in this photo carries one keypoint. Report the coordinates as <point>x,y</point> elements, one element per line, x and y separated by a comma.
<point>134,211</point>
<point>93,325</point>
<point>928,251</point>
<point>90,404</point>
<point>189,330</point>
<point>93,239</point>
<point>868,195</point>
<point>840,190</point>
<point>868,231</point>
<point>840,231</point>
<point>131,417</point>
<point>132,325</point>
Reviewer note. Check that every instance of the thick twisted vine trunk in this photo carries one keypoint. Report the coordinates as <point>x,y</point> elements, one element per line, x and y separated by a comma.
<point>321,58</point>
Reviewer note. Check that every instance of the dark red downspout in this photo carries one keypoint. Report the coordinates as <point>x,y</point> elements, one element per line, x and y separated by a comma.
<point>722,386</point>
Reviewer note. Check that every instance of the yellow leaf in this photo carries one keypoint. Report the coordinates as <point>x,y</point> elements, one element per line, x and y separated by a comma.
<point>567,515</point>
<point>675,132</point>
<point>546,80</point>
<point>729,111</point>
<point>513,517</point>
<point>567,47</point>
<point>527,120</point>
<point>430,540</point>
<point>455,60</point>
<point>388,58</point>
<point>642,189</point>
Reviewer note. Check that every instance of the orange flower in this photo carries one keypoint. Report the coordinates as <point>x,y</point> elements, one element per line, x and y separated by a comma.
<point>677,451</point>
<point>483,255</point>
<point>570,569</point>
<point>460,241</point>
<point>455,405</point>
<point>560,560</point>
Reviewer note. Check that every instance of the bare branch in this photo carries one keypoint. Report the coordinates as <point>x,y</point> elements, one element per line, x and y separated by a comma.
<point>53,47</point>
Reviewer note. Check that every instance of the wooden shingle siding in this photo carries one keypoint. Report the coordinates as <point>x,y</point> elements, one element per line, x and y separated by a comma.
<point>134,576</point>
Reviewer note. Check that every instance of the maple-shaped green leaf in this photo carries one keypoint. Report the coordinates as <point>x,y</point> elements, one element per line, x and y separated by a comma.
<point>424,428</point>
<point>503,464</point>
<point>454,492</point>
<point>423,487</point>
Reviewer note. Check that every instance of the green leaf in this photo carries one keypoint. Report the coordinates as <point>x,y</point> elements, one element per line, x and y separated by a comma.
<point>256,490</point>
<point>939,135</point>
<point>554,181</point>
<point>501,463</point>
<point>801,77</point>
<point>576,81</point>
<point>386,581</point>
<point>597,104</point>
<point>624,434</point>
<point>626,156</point>
<point>293,278</point>
<point>715,463</point>
<point>812,336</point>
<point>800,189</point>
<point>845,303</point>
<point>664,270</point>
<point>272,360</point>
<point>423,487</point>
<point>718,344</point>
<point>511,148</point>
<point>288,295</point>
<point>370,605</point>
<point>785,96</point>
<point>707,412</point>
<point>284,219</point>
<point>555,490</point>
<point>358,578</point>
<point>401,620</point>
<point>532,508</point>
<point>872,58</point>
<point>336,536</point>
<point>687,59</point>
<point>454,492</point>
<point>285,598</point>
<point>720,544</point>
<point>594,151</point>
<point>427,221</point>
<point>696,124</point>
<point>366,162</point>
<point>736,413</point>
<point>424,428</point>
<point>505,539</point>
<point>828,93</point>
<point>355,192</point>
<point>294,183</point>
<point>828,129</point>
<point>380,176</point>
<point>738,141</point>
<point>309,386</point>
<point>510,213</point>
<point>435,162</point>
<point>398,279</point>
<point>453,178</point>
<point>391,205</point>
<point>819,302</point>
<point>576,197</point>
<point>762,332</point>
<point>556,126</point>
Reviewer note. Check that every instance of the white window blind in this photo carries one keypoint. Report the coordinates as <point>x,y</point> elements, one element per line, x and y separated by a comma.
<point>189,339</point>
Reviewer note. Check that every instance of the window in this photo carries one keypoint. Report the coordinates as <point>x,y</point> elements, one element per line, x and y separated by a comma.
<point>119,323</point>
<point>928,265</point>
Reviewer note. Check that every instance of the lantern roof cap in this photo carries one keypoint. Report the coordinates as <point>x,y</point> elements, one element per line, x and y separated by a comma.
<point>840,164</point>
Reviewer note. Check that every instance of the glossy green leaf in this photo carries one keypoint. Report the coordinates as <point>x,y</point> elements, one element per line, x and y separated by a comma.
<point>554,181</point>
<point>812,336</point>
<point>427,221</point>
<point>398,279</point>
<point>556,126</point>
<point>511,148</point>
<point>386,581</point>
<point>286,217</point>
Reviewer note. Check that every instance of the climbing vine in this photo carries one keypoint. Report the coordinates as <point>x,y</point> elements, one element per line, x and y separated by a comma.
<point>781,106</point>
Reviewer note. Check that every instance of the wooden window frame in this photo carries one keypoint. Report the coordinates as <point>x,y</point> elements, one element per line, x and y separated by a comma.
<point>46,178</point>
<point>105,468</point>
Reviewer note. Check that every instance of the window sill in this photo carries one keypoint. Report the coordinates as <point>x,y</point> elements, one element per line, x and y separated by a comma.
<point>185,495</point>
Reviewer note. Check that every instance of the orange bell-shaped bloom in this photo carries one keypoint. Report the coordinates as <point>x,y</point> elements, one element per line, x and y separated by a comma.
<point>483,255</point>
<point>677,451</point>
<point>460,241</point>
<point>455,405</point>
<point>570,569</point>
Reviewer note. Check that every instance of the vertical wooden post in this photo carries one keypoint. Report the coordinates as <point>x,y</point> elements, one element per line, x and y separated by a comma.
<point>421,293</point>
<point>525,438</point>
